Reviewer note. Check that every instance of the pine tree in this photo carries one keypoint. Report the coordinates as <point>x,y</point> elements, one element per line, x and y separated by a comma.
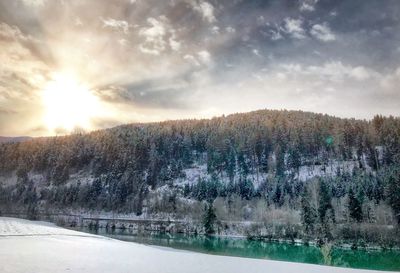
<point>231,164</point>
<point>278,197</point>
<point>280,161</point>
<point>325,212</point>
<point>355,209</point>
<point>294,158</point>
<point>209,219</point>
<point>324,201</point>
<point>246,188</point>
<point>393,193</point>
<point>308,212</point>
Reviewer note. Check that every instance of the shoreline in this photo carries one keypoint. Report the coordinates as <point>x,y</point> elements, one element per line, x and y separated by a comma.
<point>338,245</point>
<point>67,250</point>
<point>119,221</point>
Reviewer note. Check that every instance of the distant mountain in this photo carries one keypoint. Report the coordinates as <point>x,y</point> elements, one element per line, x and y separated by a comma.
<point>14,139</point>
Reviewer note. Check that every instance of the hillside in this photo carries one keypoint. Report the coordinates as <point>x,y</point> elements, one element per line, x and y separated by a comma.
<point>309,172</point>
<point>4,139</point>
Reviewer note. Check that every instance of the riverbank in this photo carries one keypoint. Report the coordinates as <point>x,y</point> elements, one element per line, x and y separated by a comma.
<point>358,236</point>
<point>387,260</point>
<point>27,246</point>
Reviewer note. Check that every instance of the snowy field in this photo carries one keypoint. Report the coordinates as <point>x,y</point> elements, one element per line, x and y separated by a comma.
<point>40,247</point>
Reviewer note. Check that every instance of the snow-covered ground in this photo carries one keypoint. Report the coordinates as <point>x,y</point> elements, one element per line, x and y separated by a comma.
<point>40,247</point>
<point>21,227</point>
<point>329,170</point>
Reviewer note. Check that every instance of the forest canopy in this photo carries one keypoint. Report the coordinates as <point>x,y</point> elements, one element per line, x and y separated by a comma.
<point>260,155</point>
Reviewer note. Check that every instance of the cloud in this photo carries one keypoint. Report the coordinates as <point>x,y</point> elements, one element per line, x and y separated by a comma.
<point>123,42</point>
<point>18,54</point>
<point>34,3</point>
<point>167,93</point>
<point>154,37</point>
<point>119,25</point>
<point>261,20</point>
<point>205,9</point>
<point>333,13</point>
<point>174,44</point>
<point>230,29</point>
<point>78,22</point>
<point>111,93</point>
<point>360,73</point>
<point>333,71</point>
<point>215,30</point>
<point>158,36</point>
<point>322,32</point>
<point>294,27</point>
<point>391,82</point>
<point>205,45</point>
<point>256,52</point>
<point>332,87</point>
<point>4,111</point>
<point>275,34</point>
<point>308,5</point>
<point>204,57</point>
<point>191,59</point>
<point>11,33</point>
<point>22,74</point>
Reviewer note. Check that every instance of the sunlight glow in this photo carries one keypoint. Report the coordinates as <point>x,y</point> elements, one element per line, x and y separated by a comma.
<point>68,104</point>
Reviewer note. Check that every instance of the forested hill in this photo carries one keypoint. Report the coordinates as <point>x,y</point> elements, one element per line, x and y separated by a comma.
<point>13,139</point>
<point>260,141</point>
<point>264,155</point>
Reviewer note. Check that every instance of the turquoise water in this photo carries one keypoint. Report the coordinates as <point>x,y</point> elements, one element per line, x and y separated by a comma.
<point>367,259</point>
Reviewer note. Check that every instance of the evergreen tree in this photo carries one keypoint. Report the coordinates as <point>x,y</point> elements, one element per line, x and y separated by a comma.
<point>393,193</point>
<point>294,158</point>
<point>231,164</point>
<point>325,199</point>
<point>278,196</point>
<point>126,163</point>
<point>325,212</point>
<point>242,164</point>
<point>264,160</point>
<point>280,161</point>
<point>31,200</point>
<point>209,219</point>
<point>355,209</point>
<point>246,188</point>
<point>308,212</point>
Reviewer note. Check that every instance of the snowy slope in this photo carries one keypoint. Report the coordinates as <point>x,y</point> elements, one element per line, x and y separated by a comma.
<point>69,251</point>
<point>21,227</point>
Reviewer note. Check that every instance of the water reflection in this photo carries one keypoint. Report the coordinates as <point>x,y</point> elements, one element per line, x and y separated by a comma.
<point>378,260</point>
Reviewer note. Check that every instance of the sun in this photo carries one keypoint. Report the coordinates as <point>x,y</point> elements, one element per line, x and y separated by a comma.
<point>69,104</point>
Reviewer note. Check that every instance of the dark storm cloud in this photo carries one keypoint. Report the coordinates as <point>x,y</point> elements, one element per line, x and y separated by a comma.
<point>367,32</point>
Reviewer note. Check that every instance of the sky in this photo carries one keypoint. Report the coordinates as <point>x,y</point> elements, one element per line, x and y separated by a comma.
<point>96,64</point>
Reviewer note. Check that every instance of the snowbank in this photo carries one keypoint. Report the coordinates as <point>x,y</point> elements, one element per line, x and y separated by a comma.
<point>39,247</point>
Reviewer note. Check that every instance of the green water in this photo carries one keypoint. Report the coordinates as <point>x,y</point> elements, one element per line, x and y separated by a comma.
<point>240,247</point>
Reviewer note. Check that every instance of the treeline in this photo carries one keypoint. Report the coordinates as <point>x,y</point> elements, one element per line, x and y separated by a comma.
<point>240,143</point>
<point>129,164</point>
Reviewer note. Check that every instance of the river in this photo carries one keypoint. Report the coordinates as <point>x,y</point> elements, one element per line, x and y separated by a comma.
<point>364,259</point>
